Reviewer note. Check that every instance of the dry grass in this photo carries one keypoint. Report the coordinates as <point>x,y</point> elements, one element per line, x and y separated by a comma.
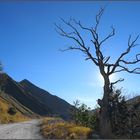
<point>5,117</point>
<point>54,128</point>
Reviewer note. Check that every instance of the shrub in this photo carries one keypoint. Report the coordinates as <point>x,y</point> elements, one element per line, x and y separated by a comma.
<point>12,111</point>
<point>125,116</point>
<point>84,116</point>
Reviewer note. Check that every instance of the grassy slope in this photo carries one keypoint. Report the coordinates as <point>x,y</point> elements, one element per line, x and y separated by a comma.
<point>5,117</point>
<point>54,128</point>
<point>9,99</point>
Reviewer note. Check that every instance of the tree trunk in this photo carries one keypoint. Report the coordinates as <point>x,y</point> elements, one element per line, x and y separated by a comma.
<point>105,124</point>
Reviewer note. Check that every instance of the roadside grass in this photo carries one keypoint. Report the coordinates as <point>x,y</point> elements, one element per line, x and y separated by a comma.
<point>56,128</point>
<point>5,117</point>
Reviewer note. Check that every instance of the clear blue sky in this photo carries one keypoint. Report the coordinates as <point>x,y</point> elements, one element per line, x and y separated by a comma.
<point>29,46</point>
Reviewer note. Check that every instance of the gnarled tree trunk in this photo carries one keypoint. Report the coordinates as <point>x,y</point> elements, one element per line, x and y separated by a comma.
<point>105,124</point>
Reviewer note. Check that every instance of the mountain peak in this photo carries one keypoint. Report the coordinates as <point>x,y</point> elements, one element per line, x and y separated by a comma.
<point>25,81</point>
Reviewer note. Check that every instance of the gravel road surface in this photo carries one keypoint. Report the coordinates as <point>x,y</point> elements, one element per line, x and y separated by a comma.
<point>23,130</point>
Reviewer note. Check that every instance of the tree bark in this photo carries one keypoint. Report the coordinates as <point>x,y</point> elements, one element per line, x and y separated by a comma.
<point>105,124</point>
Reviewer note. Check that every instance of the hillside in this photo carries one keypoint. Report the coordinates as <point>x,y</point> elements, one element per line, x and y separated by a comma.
<point>135,102</point>
<point>6,116</point>
<point>32,99</point>
<point>19,107</point>
<point>57,105</point>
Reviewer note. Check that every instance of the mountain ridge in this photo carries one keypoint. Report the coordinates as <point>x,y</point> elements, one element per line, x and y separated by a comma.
<point>54,102</point>
<point>36,99</point>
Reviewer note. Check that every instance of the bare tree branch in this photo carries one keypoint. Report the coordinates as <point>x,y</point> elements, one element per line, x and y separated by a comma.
<point>120,80</point>
<point>78,39</point>
<point>106,59</point>
<point>108,36</point>
<point>91,30</point>
<point>113,83</point>
<point>123,68</point>
<point>68,35</point>
<point>98,18</point>
<point>72,48</point>
<point>132,62</point>
<point>99,59</point>
<point>95,37</point>
<point>131,44</point>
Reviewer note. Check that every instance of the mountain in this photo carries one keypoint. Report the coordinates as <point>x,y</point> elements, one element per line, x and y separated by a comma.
<point>32,99</point>
<point>57,105</point>
<point>14,103</point>
<point>134,102</point>
<point>5,82</point>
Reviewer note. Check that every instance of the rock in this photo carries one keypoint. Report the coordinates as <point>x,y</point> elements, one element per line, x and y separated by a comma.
<point>95,136</point>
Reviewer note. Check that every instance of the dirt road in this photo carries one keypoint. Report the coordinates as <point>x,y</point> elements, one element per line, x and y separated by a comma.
<point>23,130</point>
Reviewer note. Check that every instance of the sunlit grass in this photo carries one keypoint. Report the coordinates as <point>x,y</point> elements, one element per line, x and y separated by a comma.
<point>54,128</point>
<point>5,117</point>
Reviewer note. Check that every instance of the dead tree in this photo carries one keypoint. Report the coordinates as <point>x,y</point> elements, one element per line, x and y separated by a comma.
<point>95,54</point>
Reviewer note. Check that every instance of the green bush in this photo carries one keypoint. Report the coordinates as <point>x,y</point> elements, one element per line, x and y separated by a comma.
<point>125,117</point>
<point>84,116</point>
